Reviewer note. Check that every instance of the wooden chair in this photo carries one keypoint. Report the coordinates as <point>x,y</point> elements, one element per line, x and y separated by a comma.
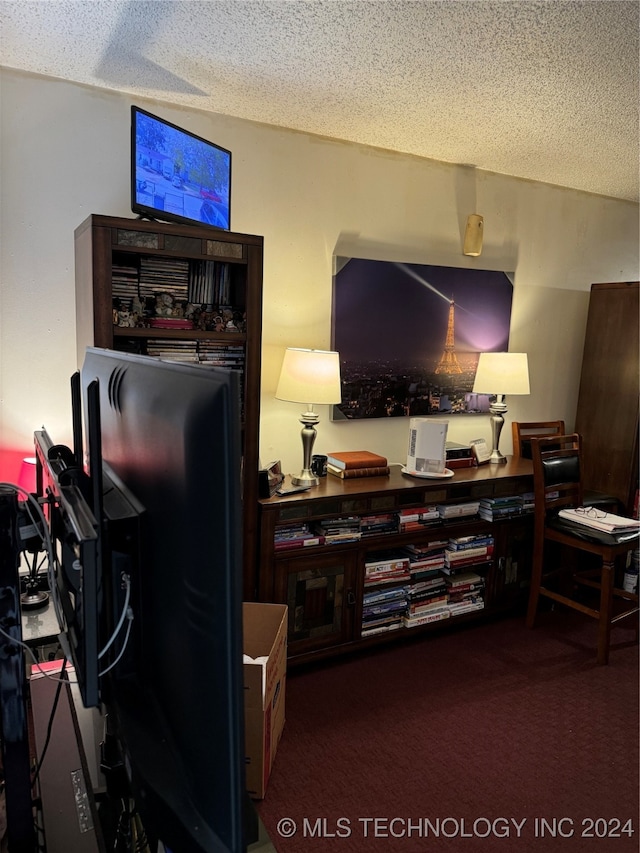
<point>524,432</point>
<point>558,485</point>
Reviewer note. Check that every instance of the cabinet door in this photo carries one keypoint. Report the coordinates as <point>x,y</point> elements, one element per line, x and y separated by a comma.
<point>319,592</point>
<point>512,564</point>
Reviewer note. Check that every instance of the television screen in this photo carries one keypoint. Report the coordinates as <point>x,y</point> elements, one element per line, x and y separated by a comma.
<point>145,533</point>
<point>177,176</point>
<point>170,433</point>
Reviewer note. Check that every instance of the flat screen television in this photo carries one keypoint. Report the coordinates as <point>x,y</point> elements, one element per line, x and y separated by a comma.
<point>170,433</point>
<point>164,478</point>
<point>177,176</point>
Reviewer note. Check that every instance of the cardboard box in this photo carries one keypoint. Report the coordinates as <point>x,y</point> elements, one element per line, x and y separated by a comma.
<point>265,673</point>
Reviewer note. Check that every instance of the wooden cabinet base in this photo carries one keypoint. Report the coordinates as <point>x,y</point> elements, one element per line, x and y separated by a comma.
<point>324,553</point>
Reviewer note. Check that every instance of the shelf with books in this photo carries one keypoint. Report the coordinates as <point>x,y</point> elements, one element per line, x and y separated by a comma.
<point>402,556</point>
<point>425,583</point>
<point>427,599</point>
<point>383,609</point>
<point>184,293</point>
<point>385,591</point>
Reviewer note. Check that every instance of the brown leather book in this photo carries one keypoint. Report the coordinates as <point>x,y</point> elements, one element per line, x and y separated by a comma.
<point>350,473</point>
<point>461,463</point>
<point>347,459</point>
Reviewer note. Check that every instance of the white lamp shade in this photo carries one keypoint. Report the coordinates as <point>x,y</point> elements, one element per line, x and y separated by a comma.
<point>310,376</point>
<point>502,373</point>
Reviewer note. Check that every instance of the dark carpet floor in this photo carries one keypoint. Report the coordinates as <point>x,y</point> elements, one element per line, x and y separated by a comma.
<point>490,738</point>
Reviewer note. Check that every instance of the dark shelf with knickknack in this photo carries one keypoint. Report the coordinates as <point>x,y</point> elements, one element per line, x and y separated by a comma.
<point>371,560</point>
<point>185,293</point>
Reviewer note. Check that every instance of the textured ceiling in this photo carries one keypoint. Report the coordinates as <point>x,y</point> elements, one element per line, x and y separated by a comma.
<point>542,90</point>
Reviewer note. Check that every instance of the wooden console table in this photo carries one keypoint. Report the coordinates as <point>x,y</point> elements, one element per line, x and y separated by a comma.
<point>323,585</point>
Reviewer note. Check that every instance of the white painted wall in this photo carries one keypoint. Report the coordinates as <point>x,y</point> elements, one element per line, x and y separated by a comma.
<point>64,153</point>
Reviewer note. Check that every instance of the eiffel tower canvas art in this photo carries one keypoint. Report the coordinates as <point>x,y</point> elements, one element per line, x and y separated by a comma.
<point>448,362</point>
<point>409,336</point>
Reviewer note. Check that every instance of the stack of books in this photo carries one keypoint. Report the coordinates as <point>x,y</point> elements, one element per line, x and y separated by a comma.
<point>173,349</point>
<point>426,561</point>
<point>334,530</point>
<point>164,275</point>
<point>493,508</point>
<point>295,536</point>
<point>384,600</point>
<point>458,510</point>
<point>385,568</point>
<point>427,601</point>
<point>418,518</point>
<point>124,284</point>
<point>466,593</point>
<point>459,455</point>
<point>374,525</point>
<point>463,552</point>
<point>383,610</point>
<point>217,354</point>
<point>528,502</point>
<point>348,464</point>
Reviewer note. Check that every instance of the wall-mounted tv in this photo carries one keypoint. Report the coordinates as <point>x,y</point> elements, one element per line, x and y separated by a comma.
<point>177,176</point>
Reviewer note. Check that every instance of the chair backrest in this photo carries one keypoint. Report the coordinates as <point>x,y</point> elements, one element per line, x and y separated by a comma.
<point>524,432</point>
<point>557,479</point>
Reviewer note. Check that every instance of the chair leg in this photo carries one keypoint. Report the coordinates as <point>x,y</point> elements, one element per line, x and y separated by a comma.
<point>606,611</point>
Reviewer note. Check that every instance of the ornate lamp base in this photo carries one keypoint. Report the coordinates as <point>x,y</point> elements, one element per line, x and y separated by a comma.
<point>498,409</point>
<point>306,477</point>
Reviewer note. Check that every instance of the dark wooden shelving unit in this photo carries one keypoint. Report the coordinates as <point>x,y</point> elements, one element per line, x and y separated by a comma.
<point>104,242</point>
<point>327,580</point>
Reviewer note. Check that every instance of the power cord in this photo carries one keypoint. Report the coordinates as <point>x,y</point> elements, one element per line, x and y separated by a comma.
<point>56,699</point>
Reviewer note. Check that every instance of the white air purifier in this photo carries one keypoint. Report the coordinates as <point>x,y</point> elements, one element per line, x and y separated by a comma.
<point>427,453</point>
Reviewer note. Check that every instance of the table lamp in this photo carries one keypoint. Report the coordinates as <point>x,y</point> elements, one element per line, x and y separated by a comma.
<point>27,476</point>
<point>313,377</point>
<point>499,374</point>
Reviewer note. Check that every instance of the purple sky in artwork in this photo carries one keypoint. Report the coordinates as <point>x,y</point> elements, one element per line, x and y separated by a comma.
<point>388,310</point>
